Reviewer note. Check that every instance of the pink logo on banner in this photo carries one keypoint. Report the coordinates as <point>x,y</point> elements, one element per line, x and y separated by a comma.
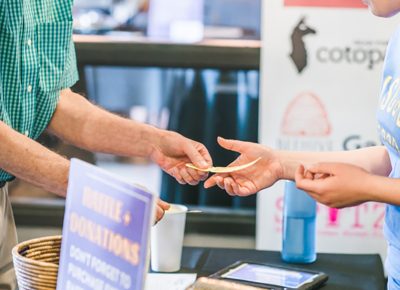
<point>326,3</point>
<point>359,221</point>
<point>306,117</point>
<point>333,216</point>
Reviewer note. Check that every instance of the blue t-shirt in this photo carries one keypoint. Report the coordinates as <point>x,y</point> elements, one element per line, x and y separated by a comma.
<point>389,130</point>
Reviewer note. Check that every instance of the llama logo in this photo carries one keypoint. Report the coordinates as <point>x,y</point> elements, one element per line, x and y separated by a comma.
<point>299,51</point>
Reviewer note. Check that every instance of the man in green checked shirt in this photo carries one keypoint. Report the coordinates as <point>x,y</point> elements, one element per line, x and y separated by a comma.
<point>37,68</point>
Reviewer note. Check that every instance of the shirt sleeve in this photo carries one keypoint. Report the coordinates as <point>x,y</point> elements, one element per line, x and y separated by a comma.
<point>70,76</point>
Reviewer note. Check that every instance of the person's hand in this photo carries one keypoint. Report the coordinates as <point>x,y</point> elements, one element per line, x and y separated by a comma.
<point>174,151</point>
<point>252,179</point>
<point>336,185</point>
<point>161,207</point>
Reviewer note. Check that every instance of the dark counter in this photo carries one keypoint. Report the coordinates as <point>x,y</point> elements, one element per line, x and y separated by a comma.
<point>142,52</point>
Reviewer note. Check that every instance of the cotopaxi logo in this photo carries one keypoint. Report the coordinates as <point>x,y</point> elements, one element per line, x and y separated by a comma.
<point>366,53</point>
<point>363,53</point>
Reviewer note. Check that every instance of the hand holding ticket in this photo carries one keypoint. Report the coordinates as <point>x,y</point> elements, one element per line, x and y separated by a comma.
<point>263,169</point>
<point>224,169</point>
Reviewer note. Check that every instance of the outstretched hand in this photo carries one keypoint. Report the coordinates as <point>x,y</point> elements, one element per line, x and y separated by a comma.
<point>252,179</point>
<point>173,153</point>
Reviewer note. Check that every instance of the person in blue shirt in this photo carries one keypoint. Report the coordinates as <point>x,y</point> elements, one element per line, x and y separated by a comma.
<point>339,179</point>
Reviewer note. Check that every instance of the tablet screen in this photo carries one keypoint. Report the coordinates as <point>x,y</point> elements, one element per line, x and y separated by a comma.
<point>269,275</point>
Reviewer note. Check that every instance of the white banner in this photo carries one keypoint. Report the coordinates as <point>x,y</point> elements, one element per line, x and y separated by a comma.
<point>321,73</point>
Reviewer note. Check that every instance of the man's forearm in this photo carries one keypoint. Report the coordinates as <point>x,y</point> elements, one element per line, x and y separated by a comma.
<point>32,162</point>
<point>79,122</point>
<point>373,159</point>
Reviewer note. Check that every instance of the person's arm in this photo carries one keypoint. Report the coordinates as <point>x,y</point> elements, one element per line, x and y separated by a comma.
<point>85,125</point>
<point>372,159</point>
<point>341,185</point>
<point>276,165</point>
<point>32,162</point>
<point>384,189</point>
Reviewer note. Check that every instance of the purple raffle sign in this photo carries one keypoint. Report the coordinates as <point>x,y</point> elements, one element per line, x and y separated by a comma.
<point>106,232</point>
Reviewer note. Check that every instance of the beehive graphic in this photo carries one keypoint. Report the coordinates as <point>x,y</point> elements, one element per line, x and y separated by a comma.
<point>306,116</point>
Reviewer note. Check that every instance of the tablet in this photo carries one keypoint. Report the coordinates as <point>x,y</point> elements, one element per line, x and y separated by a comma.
<point>270,276</point>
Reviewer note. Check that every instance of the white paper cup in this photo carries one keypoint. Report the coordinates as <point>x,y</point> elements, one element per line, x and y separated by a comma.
<point>167,240</point>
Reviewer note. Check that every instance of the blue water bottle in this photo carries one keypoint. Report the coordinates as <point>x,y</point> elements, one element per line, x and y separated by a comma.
<point>299,217</point>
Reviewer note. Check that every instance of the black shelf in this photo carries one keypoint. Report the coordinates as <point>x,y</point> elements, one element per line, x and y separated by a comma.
<point>142,52</point>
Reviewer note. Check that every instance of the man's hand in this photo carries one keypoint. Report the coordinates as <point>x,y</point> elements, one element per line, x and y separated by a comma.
<point>250,180</point>
<point>336,185</point>
<point>161,207</point>
<point>173,151</point>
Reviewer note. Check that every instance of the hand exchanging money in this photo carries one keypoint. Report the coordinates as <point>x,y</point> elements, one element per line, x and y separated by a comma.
<point>263,171</point>
<point>228,169</point>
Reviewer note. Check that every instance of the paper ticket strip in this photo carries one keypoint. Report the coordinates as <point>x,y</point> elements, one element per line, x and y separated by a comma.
<point>224,169</point>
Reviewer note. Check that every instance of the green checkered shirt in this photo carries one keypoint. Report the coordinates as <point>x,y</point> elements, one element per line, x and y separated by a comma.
<point>37,60</point>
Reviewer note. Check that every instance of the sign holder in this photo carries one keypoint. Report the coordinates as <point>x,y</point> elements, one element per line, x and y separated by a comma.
<point>106,231</point>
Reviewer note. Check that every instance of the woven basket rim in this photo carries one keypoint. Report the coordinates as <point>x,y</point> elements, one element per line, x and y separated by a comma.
<point>24,260</point>
<point>55,247</point>
<point>42,255</point>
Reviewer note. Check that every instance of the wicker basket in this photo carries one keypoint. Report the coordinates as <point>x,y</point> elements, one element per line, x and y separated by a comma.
<point>36,263</point>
